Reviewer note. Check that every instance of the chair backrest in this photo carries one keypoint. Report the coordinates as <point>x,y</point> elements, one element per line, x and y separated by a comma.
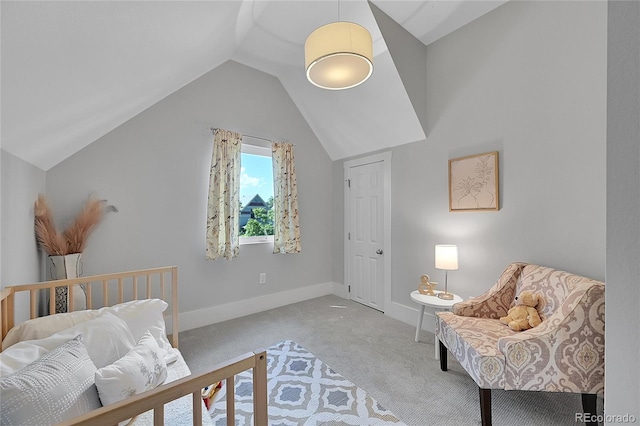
<point>552,284</point>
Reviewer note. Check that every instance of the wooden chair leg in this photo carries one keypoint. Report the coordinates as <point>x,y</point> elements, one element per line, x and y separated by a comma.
<point>485,406</point>
<point>443,356</point>
<point>589,407</point>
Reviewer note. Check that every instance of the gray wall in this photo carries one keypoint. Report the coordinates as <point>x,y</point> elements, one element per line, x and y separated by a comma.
<point>623,210</point>
<point>1,213</point>
<point>521,81</point>
<point>409,58</point>
<point>155,170</point>
<point>21,184</point>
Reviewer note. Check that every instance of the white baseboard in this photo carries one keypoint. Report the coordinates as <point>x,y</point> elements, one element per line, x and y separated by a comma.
<point>241,308</point>
<point>409,315</point>
<point>340,290</point>
<point>406,314</point>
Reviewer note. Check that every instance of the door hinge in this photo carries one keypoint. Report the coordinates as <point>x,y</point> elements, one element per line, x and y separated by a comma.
<point>349,183</point>
<point>349,289</point>
<point>349,236</point>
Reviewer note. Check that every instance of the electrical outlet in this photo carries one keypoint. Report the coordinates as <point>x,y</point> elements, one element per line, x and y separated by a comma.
<point>263,277</point>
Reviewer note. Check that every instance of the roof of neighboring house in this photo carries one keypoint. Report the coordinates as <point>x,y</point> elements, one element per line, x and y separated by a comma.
<point>255,202</point>
<point>247,211</point>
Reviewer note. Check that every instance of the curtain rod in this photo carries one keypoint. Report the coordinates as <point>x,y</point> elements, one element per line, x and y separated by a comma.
<point>249,136</point>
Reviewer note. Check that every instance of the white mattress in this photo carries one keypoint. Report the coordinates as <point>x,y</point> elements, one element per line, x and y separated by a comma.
<point>178,412</point>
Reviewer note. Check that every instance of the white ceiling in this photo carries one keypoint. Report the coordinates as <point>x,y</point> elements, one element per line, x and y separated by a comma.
<point>71,71</point>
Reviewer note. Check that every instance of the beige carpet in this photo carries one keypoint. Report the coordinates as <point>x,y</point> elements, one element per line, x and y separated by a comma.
<point>379,355</point>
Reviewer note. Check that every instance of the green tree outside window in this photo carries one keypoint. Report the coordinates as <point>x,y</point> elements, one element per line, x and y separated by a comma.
<point>261,223</point>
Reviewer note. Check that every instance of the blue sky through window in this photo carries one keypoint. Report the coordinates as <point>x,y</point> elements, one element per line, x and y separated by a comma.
<point>256,177</point>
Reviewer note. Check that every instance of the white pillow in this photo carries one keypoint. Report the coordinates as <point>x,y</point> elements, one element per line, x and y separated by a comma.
<point>107,338</point>
<point>140,316</point>
<point>143,315</point>
<point>39,328</point>
<point>57,387</point>
<point>140,370</point>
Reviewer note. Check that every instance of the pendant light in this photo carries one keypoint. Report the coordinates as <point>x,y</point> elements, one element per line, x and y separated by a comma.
<point>339,55</point>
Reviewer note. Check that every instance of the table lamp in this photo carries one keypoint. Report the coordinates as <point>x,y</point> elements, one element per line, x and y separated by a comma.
<point>447,260</point>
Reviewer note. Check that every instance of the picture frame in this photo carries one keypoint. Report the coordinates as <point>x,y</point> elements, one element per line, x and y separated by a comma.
<point>474,183</point>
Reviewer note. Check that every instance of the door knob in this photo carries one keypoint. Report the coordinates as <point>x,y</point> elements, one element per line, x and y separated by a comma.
<point>379,251</point>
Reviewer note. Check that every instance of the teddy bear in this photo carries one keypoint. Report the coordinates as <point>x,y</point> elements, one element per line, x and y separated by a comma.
<point>524,315</point>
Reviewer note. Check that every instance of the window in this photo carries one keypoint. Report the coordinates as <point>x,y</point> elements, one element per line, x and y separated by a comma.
<point>223,236</point>
<point>256,195</point>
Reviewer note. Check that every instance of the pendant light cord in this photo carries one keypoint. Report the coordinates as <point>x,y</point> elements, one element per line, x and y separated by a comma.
<point>338,10</point>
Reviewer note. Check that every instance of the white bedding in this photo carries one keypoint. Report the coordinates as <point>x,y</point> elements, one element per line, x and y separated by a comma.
<point>107,335</point>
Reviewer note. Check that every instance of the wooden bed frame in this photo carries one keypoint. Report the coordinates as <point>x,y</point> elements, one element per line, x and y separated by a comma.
<point>111,289</point>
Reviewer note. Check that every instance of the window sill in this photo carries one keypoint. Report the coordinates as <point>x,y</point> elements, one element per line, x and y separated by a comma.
<point>256,240</point>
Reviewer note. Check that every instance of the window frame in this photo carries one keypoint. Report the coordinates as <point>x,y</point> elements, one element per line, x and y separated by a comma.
<point>263,150</point>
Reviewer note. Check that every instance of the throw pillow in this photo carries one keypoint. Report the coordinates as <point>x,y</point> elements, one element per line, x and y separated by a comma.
<point>40,328</point>
<point>107,338</point>
<point>54,388</point>
<point>140,370</point>
<point>142,316</point>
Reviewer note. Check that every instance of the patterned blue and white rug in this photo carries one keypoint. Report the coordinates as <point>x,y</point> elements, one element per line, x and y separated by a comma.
<point>303,391</point>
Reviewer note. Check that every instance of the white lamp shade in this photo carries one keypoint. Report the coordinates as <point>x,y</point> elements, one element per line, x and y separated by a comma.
<point>339,55</point>
<point>447,257</point>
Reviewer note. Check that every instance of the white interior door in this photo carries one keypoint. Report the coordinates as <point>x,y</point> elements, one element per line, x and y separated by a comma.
<point>366,234</point>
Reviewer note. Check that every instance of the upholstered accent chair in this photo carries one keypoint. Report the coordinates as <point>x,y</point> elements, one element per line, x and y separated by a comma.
<point>565,353</point>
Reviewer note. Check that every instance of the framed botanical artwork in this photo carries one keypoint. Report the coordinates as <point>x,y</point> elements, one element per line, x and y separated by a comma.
<point>473,183</point>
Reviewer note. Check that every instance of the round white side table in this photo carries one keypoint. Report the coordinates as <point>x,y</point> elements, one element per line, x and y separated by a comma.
<point>437,304</point>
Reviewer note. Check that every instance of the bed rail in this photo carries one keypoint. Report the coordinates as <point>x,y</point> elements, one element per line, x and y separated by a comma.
<point>193,384</point>
<point>102,290</point>
<point>109,289</point>
<point>6,311</point>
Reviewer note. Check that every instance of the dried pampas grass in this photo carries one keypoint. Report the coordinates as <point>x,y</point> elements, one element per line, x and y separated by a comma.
<point>46,235</point>
<point>74,238</point>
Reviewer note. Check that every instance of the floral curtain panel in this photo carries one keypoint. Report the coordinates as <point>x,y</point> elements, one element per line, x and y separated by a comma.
<point>286,228</point>
<point>223,206</point>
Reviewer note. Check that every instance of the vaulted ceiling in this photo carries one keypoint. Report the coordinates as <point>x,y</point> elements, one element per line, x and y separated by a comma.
<point>73,71</point>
